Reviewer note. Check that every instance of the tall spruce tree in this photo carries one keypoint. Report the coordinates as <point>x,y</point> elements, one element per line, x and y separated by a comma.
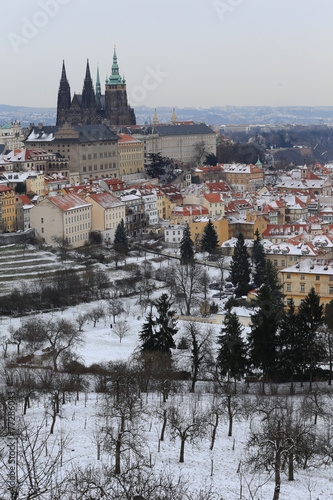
<point>186,248</point>
<point>120,238</point>
<point>289,342</point>
<point>231,360</point>
<point>259,261</point>
<point>271,279</point>
<point>262,338</point>
<point>311,317</point>
<point>157,334</point>
<point>209,240</point>
<point>240,267</point>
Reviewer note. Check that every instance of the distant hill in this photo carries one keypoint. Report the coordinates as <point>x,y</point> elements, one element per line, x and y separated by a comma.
<point>218,115</point>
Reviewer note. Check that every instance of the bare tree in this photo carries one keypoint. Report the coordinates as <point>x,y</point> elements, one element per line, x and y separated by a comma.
<point>62,336</point>
<point>201,349</point>
<point>38,462</point>
<point>96,314</point>
<point>187,423</point>
<point>115,308</point>
<point>185,283</point>
<point>121,329</point>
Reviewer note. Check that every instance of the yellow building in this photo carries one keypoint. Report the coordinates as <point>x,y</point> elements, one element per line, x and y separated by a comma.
<point>298,280</point>
<point>220,225</point>
<point>35,183</point>
<point>130,157</point>
<point>62,217</point>
<point>107,212</point>
<point>8,209</point>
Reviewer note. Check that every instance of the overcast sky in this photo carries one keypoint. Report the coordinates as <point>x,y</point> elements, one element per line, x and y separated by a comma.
<point>196,53</point>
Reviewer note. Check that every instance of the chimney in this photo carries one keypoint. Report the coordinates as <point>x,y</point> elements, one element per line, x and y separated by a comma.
<point>40,126</point>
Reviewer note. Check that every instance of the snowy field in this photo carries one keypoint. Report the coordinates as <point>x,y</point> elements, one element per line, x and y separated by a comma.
<point>222,469</point>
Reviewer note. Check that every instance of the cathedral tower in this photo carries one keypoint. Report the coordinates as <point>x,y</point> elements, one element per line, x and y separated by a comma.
<point>64,98</point>
<point>117,110</point>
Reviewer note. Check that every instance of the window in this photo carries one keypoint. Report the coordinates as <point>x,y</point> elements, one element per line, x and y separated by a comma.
<point>288,276</point>
<point>317,278</point>
<point>42,221</point>
<point>42,230</point>
<point>275,263</point>
<point>330,289</point>
<point>302,288</point>
<point>288,287</point>
<point>283,262</point>
<point>331,278</point>
<point>302,277</point>
<point>289,302</point>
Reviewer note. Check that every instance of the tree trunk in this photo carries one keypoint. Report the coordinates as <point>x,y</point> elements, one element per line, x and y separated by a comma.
<point>164,425</point>
<point>194,377</point>
<point>230,415</point>
<point>182,448</point>
<point>277,477</point>
<point>292,390</point>
<point>26,404</point>
<point>214,431</point>
<point>290,467</point>
<point>118,451</point>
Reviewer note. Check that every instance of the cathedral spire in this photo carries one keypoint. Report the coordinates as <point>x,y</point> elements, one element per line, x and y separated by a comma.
<point>98,84</point>
<point>64,97</point>
<point>88,93</point>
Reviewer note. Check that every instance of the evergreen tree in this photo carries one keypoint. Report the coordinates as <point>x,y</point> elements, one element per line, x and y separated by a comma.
<point>289,342</point>
<point>186,247</point>
<point>240,267</point>
<point>271,279</point>
<point>120,238</point>
<point>157,334</point>
<point>147,335</point>
<point>231,360</point>
<point>209,240</point>
<point>263,336</point>
<point>310,314</point>
<point>259,261</point>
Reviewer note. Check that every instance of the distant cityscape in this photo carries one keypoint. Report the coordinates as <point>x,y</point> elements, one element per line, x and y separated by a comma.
<point>219,115</point>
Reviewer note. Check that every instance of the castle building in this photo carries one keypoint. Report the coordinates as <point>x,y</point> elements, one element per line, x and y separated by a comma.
<point>91,107</point>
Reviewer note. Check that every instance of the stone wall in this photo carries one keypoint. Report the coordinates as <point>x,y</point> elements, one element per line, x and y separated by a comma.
<point>10,238</point>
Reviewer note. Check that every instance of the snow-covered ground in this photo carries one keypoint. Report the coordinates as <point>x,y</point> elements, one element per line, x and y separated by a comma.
<point>202,467</point>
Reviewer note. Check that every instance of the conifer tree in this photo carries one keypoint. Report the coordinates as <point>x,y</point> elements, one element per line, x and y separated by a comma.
<point>209,240</point>
<point>310,314</point>
<point>240,267</point>
<point>231,360</point>
<point>262,338</point>
<point>271,279</point>
<point>186,247</point>
<point>157,334</point>
<point>147,335</point>
<point>289,342</point>
<point>120,238</point>
<point>259,261</point>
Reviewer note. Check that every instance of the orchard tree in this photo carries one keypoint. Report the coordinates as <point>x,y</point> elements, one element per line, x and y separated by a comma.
<point>259,261</point>
<point>62,336</point>
<point>209,240</point>
<point>186,248</point>
<point>201,349</point>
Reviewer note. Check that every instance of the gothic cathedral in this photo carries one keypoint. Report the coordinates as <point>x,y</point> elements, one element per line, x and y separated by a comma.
<point>91,106</point>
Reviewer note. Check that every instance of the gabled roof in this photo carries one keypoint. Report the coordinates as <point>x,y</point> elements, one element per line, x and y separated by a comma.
<point>106,200</point>
<point>68,201</point>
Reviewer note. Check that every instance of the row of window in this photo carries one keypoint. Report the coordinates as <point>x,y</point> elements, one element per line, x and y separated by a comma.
<point>76,229</point>
<point>94,156</point>
<point>100,167</point>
